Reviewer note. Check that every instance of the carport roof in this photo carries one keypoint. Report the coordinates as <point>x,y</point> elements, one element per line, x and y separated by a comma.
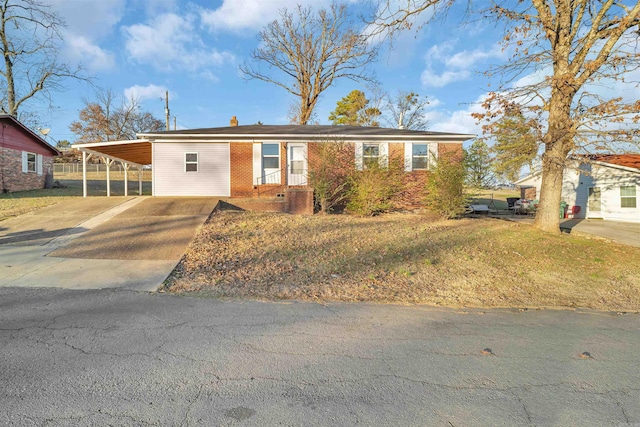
<point>136,151</point>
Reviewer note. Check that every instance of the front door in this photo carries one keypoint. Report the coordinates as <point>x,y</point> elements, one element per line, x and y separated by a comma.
<point>296,164</point>
<point>595,203</point>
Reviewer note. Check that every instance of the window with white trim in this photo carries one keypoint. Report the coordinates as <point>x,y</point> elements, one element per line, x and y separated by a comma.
<point>31,162</point>
<point>271,156</point>
<point>628,196</point>
<point>191,162</point>
<point>370,155</point>
<point>420,156</point>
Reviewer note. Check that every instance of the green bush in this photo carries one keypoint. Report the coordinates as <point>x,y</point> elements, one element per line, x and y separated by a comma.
<point>445,188</point>
<point>371,190</point>
<point>329,171</point>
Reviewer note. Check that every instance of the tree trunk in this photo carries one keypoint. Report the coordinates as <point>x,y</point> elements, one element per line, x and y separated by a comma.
<point>559,141</point>
<point>548,213</point>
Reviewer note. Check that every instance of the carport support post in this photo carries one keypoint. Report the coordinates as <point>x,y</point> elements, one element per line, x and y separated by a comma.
<point>108,163</point>
<point>140,180</point>
<point>84,174</point>
<point>125,166</point>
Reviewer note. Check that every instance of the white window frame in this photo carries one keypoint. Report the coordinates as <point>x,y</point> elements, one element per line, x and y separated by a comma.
<point>425,156</point>
<point>191,162</point>
<point>370,158</point>
<point>29,166</point>
<point>628,197</point>
<point>271,175</point>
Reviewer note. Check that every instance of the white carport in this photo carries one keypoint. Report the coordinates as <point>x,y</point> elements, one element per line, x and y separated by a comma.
<point>129,153</point>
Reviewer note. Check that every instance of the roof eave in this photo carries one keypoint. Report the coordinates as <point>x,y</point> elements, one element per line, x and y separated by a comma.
<point>204,137</point>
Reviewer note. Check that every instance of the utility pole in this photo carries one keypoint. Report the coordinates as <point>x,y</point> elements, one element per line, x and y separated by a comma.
<point>166,109</point>
<point>175,123</point>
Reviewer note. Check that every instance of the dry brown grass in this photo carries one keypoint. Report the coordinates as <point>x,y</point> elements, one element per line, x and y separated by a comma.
<point>405,258</point>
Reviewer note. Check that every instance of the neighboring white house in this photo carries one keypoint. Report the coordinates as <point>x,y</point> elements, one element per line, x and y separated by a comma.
<point>603,186</point>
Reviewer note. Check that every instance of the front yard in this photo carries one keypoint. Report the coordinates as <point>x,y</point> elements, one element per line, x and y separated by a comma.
<point>405,258</point>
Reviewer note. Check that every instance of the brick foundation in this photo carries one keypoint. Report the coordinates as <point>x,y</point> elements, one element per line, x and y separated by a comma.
<point>13,179</point>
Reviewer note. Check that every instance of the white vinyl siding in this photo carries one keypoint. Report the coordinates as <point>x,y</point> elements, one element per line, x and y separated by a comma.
<point>596,188</point>
<point>170,177</point>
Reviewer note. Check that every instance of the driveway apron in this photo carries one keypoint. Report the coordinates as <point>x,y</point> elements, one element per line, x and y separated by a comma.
<point>134,245</point>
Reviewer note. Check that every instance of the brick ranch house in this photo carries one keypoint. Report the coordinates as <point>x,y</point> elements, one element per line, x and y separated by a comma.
<point>261,161</point>
<point>25,158</point>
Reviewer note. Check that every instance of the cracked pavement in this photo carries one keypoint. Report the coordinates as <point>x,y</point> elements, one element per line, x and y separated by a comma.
<point>117,357</point>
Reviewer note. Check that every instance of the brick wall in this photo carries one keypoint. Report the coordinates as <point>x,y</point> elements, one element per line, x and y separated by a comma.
<point>299,201</point>
<point>454,149</point>
<point>241,154</point>
<point>13,179</point>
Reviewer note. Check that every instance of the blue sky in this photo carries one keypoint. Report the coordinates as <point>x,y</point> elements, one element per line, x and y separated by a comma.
<point>193,49</point>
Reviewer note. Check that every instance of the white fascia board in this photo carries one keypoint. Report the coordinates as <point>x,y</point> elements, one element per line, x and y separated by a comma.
<point>109,143</point>
<point>305,138</point>
<point>612,165</point>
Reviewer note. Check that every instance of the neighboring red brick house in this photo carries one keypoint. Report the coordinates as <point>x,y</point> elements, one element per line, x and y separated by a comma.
<point>259,161</point>
<point>25,158</point>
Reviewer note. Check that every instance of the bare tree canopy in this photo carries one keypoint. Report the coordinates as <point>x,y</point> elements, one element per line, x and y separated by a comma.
<point>406,110</point>
<point>306,51</point>
<point>567,48</point>
<point>107,120</point>
<point>29,42</point>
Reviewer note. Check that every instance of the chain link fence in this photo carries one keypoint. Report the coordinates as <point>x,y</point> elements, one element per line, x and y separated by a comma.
<point>96,171</point>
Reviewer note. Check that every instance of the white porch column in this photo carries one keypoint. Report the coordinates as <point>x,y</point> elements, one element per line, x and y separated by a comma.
<point>125,166</point>
<point>140,180</point>
<point>84,174</point>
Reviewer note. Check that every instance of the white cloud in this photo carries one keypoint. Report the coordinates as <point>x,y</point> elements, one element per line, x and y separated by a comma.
<point>79,49</point>
<point>169,42</point>
<point>457,121</point>
<point>149,91</point>
<point>431,79</point>
<point>443,67</point>
<point>251,15</point>
<point>92,19</point>
<point>87,23</point>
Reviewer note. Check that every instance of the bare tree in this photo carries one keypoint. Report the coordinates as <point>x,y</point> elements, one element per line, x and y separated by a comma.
<point>306,51</point>
<point>406,110</point>
<point>29,43</point>
<point>567,47</point>
<point>107,119</point>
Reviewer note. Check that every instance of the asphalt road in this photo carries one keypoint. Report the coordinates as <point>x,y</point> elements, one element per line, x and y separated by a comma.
<point>116,357</point>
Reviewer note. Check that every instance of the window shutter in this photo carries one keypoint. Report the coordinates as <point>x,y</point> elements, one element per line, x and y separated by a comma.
<point>257,163</point>
<point>39,164</point>
<point>433,154</point>
<point>359,154</point>
<point>408,156</point>
<point>25,164</point>
<point>384,154</point>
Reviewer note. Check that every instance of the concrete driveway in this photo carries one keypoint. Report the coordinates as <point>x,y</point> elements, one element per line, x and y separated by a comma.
<point>131,243</point>
<point>626,233</point>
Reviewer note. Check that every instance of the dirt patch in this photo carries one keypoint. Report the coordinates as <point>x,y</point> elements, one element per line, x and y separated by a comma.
<point>405,258</point>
